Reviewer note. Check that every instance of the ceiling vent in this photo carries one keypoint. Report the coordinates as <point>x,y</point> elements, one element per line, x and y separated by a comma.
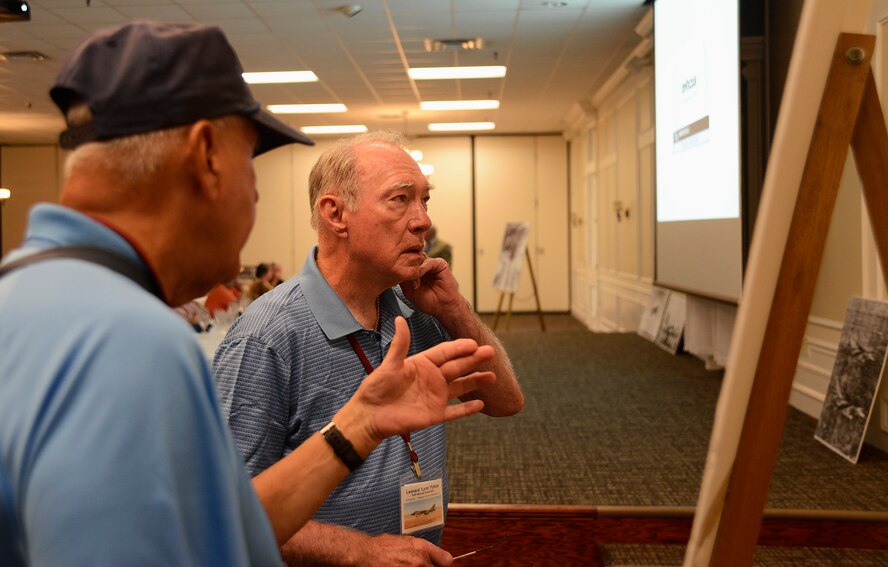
<point>454,44</point>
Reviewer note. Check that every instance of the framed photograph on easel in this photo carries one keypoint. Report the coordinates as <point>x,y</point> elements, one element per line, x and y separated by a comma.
<point>511,259</point>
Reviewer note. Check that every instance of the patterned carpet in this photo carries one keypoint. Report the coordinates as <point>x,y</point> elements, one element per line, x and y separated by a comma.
<point>612,419</point>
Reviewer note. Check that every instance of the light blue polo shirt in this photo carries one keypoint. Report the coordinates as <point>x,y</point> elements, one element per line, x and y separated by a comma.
<point>286,367</point>
<point>112,447</point>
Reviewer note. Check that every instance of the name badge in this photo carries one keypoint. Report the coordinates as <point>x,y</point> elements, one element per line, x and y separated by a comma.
<point>422,502</point>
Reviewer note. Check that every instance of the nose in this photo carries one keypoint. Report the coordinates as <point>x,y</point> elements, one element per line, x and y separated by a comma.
<point>421,222</point>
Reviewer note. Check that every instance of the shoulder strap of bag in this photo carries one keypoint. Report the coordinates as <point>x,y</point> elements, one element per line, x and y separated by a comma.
<point>102,256</point>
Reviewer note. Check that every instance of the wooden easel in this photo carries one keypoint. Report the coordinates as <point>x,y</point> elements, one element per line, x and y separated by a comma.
<point>536,296</point>
<point>849,114</point>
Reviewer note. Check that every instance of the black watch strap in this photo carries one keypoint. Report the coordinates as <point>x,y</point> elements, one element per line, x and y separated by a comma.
<point>342,447</point>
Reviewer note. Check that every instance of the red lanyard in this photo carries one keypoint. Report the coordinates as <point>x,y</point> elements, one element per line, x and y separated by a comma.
<point>414,458</point>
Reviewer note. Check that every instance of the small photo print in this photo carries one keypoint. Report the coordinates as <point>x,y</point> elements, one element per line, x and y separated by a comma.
<point>672,325</point>
<point>422,514</point>
<point>855,379</point>
<point>653,313</point>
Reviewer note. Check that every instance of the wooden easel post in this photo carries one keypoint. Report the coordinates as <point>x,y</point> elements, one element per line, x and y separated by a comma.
<point>849,114</point>
<point>511,295</point>
<point>535,294</point>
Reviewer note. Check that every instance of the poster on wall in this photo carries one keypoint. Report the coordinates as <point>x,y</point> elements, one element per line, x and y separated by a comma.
<point>855,379</point>
<point>511,258</point>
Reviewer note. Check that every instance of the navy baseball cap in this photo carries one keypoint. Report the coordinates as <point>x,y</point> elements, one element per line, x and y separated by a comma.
<point>147,76</point>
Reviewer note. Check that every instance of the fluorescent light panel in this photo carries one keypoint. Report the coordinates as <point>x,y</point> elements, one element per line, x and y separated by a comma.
<point>306,108</point>
<point>271,77</point>
<point>459,126</point>
<point>350,129</point>
<point>459,104</point>
<point>480,72</point>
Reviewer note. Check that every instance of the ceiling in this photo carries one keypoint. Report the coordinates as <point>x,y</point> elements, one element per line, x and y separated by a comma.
<point>556,56</point>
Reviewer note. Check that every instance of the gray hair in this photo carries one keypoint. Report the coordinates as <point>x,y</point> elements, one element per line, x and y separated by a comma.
<point>131,158</point>
<point>335,172</point>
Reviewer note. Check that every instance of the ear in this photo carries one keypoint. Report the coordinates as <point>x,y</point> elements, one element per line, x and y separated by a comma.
<point>331,210</point>
<point>204,158</point>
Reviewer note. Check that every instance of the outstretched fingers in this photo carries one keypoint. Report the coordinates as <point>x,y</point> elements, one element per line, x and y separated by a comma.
<point>465,384</point>
<point>468,362</point>
<point>462,409</point>
<point>442,353</point>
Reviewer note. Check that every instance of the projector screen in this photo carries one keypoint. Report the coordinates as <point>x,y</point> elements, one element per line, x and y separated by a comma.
<point>697,91</point>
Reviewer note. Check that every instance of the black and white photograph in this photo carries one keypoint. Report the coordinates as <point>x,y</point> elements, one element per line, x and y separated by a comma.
<point>511,259</point>
<point>652,316</point>
<point>672,326</point>
<point>855,378</point>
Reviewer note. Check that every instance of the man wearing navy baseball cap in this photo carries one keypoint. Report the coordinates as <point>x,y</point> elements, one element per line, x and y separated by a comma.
<point>112,447</point>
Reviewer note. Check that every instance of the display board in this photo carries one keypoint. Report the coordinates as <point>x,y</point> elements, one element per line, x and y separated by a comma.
<point>699,246</point>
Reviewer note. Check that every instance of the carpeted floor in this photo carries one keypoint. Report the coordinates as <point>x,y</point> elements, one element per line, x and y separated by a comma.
<point>612,419</point>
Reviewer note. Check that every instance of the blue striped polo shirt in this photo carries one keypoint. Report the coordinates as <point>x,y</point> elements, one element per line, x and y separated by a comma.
<point>286,367</point>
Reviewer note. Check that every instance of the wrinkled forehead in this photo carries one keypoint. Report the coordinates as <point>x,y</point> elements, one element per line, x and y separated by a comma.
<point>387,166</point>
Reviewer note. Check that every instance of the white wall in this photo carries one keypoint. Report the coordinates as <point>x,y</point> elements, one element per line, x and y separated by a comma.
<point>612,278</point>
<point>523,178</point>
<point>33,174</point>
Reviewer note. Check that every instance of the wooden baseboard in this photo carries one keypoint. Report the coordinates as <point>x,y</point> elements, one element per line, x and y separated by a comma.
<point>570,535</point>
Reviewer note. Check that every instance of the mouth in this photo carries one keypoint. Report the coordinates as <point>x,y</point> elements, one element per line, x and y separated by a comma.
<point>415,250</point>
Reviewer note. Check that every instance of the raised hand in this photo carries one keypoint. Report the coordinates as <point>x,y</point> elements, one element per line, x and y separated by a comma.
<point>408,394</point>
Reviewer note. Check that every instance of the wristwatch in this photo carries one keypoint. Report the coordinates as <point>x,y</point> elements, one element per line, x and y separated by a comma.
<point>342,447</point>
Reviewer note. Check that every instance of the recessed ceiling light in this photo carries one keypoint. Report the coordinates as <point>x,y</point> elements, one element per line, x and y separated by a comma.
<point>480,72</point>
<point>426,168</point>
<point>270,77</point>
<point>306,108</point>
<point>459,104</point>
<point>5,193</point>
<point>555,4</point>
<point>459,126</point>
<point>22,56</point>
<point>351,129</point>
<point>416,154</point>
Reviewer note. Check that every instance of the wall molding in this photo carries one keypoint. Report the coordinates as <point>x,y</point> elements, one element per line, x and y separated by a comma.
<point>813,369</point>
<point>820,346</point>
<point>826,323</point>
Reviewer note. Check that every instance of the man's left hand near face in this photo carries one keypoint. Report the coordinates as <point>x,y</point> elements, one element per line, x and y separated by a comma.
<point>434,290</point>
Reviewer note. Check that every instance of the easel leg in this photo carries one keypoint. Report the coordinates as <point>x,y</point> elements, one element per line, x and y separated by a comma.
<point>499,307</point>
<point>535,294</point>
<point>509,312</point>
<point>747,488</point>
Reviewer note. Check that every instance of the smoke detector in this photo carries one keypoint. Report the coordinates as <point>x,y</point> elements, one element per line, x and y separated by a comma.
<point>351,10</point>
